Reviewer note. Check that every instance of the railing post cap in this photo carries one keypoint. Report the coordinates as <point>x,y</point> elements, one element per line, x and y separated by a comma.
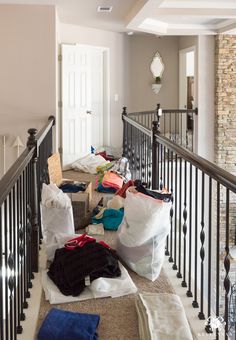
<point>31,139</point>
<point>52,118</point>
<point>32,131</point>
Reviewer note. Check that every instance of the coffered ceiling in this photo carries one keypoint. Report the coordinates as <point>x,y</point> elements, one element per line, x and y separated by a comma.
<point>160,17</point>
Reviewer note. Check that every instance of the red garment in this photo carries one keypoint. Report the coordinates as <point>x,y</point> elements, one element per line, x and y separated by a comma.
<point>79,241</point>
<point>122,191</point>
<point>112,180</point>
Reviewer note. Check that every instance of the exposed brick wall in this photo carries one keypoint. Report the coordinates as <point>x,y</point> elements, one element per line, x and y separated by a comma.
<point>225,119</point>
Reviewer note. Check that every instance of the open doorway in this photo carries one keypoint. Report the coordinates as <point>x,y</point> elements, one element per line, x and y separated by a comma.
<point>187,88</point>
<point>85,113</point>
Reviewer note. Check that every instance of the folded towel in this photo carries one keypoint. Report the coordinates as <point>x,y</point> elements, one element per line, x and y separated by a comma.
<point>63,325</point>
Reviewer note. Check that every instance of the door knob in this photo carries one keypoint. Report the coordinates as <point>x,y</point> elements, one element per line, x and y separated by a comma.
<point>89,112</point>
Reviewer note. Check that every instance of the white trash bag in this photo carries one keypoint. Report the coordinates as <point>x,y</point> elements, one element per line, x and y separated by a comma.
<point>56,217</point>
<point>141,237</point>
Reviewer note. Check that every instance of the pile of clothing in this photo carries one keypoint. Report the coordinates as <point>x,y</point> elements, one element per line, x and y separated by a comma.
<point>83,269</point>
<point>73,187</point>
<point>162,316</point>
<point>112,180</point>
<point>81,261</point>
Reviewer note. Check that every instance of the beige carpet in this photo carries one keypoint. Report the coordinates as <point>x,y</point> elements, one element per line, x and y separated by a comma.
<point>118,316</point>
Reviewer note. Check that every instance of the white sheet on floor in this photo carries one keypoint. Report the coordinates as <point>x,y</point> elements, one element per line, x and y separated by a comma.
<point>165,315</point>
<point>99,288</point>
<point>89,163</point>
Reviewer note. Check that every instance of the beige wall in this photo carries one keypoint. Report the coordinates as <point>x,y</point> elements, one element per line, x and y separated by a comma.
<point>187,41</point>
<point>27,71</point>
<point>119,58</point>
<point>142,50</point>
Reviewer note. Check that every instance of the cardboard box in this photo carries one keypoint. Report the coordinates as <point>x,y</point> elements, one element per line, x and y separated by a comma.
<point>55,175</point>
<point>80,200</point>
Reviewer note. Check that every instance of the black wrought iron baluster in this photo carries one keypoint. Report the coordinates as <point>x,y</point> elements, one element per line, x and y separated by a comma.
<point>138,154</point>
<point>124,113</point>
<point>161,166</point>
<point>175,213</point>
<point>149,163</point>
<point>170,125</point>
<point>168,169</point>
<point>175,133</point>
<point>208,326</point>
<point>10,263</point>
<point>166,177</point>
<point>133,163</point>
<point>227,267</point>
<point>164,167</point>
<point>179,274</point>
<point>155,156</point>
<point>185,216</point>
<point>189,291</point>
<point>202,252</point>
<point>1,274</point>
<point>171,210</point>
<point>6,253</point>
<point>217,255</point>
<point>145,157</point>
<point>195,303</point>
<point>20,314</point>
<point>16,255</point>
<point>26,245</point>
<point>181,130</point>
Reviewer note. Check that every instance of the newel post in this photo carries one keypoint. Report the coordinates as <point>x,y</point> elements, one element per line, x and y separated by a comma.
<point>124,113</point>
<point>155,155</point>
<point>32,143</point>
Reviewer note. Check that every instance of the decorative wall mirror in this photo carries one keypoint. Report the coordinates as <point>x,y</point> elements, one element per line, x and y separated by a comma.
<point>157,69</point>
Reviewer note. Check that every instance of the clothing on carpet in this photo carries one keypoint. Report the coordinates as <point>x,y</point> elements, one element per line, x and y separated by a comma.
<point>112,180</point>
<point>110,218</point>
<point>73,187</point>
<point>108,190</point>
<point>70,269</point>
<point>99,288</point>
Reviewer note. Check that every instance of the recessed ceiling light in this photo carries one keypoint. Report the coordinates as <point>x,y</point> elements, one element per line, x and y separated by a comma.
<point>104,9</point>
<point>130,33</point>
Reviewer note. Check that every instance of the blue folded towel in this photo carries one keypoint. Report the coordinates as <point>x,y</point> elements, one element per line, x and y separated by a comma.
<point>64,325</point>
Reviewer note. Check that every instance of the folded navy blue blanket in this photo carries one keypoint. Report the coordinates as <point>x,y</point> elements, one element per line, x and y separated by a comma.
<point>64,325</point>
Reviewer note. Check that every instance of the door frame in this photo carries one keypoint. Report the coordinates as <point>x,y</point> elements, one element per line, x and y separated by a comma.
<point>106,93</point>
<point>182,72</point>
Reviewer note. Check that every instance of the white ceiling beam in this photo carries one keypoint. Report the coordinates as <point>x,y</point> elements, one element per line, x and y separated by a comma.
<point>227,29</point>
<point>140,12</point>
<point>205,12</point>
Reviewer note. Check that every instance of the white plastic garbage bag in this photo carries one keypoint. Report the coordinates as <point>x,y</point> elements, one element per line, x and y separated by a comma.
<point>56,217</point>
<point>142,235</point>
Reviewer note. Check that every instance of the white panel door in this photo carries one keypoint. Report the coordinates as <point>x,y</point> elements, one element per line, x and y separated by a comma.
<point>76,103</point>
<point>97,96</point>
